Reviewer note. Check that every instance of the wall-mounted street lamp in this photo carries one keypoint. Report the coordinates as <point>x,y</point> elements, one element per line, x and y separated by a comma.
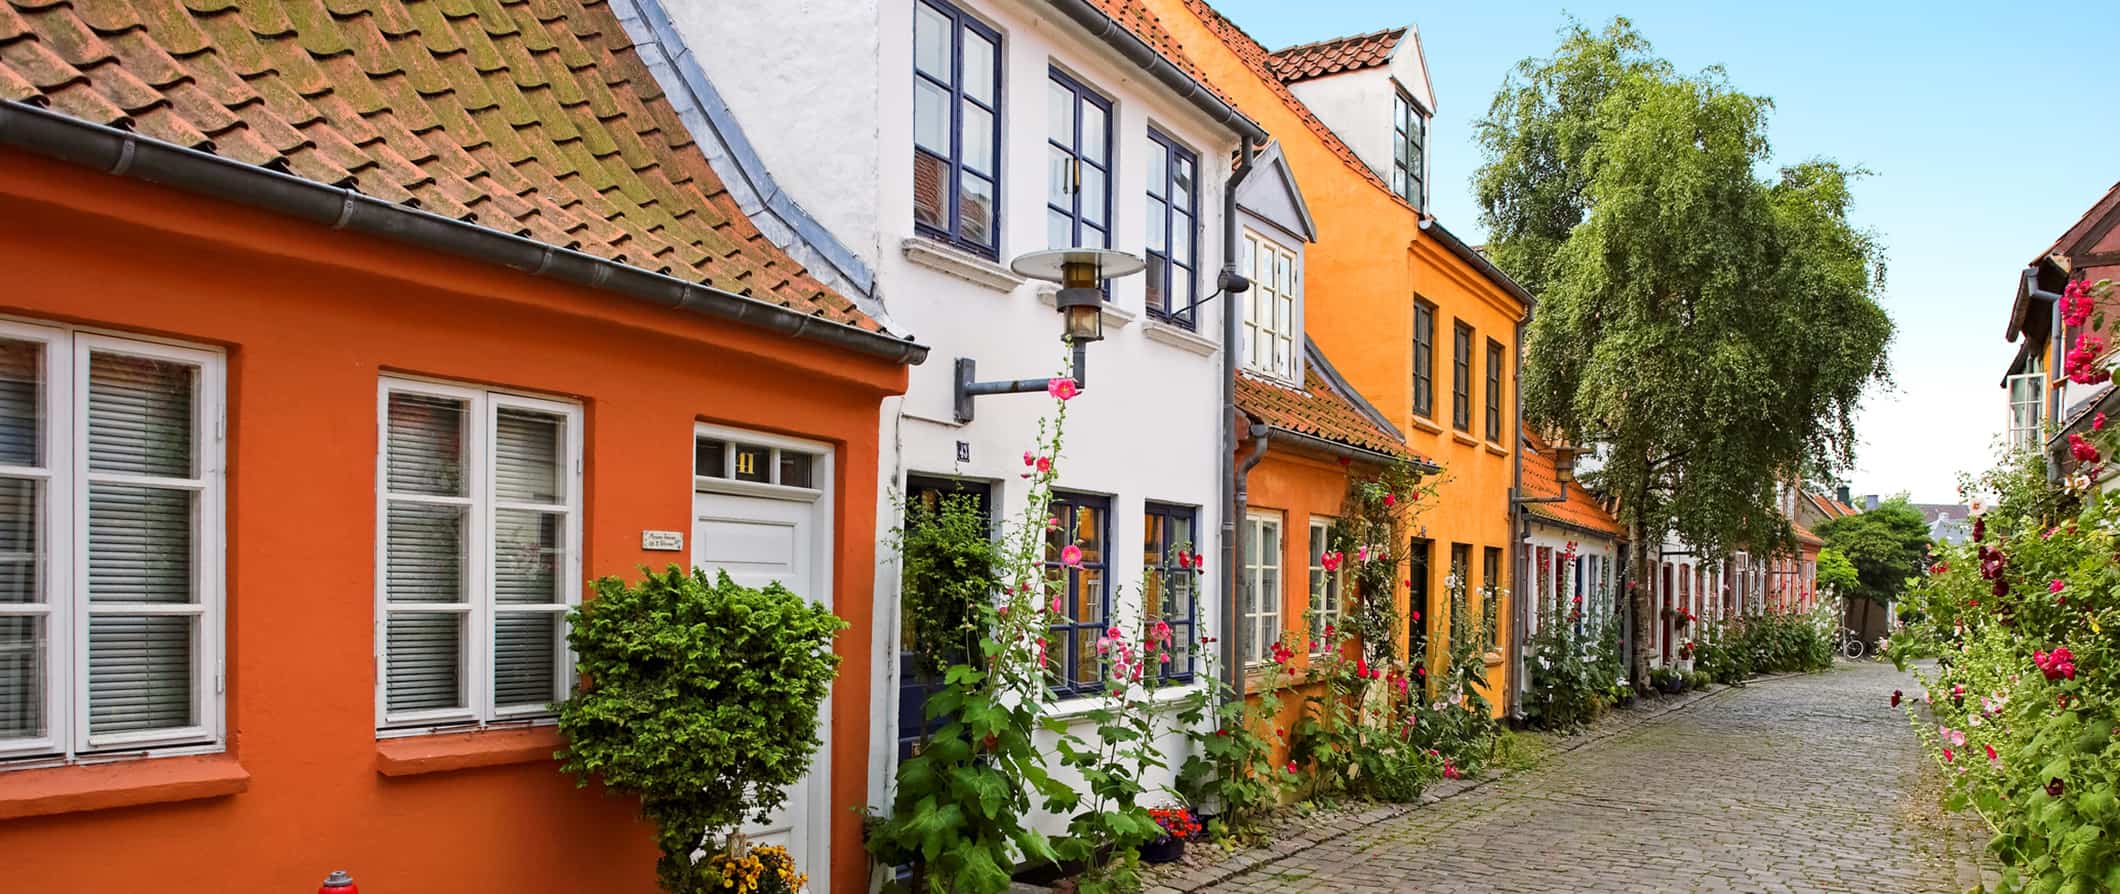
<point>1081,273</point>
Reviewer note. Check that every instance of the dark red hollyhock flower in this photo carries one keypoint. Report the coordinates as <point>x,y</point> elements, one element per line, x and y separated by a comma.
<point>1979,529</point>
<point>1896,696</point>
<point>2054,787</point>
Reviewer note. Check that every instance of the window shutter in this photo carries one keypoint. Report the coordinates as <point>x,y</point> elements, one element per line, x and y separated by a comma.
<point>529,554</point>
<point>424,553</point>
<point>140,545</point>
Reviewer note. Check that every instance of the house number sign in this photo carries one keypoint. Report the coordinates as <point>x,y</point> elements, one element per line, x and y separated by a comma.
<point>663,541</point>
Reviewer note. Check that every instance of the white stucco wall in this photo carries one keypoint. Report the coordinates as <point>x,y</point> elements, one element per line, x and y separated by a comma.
<point>1357,106</point>
<point>820,144</point>
<point>839,138</point>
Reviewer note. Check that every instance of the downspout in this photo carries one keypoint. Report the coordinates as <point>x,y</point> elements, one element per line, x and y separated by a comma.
<point>1232,662</point>
<point>1520,530</point>
<point>1232,667</point>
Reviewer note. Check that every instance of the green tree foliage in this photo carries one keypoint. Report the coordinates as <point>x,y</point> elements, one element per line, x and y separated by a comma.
<point>1886,546</point>
<point>1836,573</point>
<point>701,698</point>
<point>1713,330</point>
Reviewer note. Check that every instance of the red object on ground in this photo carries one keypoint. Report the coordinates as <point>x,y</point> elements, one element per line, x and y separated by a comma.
<point>338,883</point>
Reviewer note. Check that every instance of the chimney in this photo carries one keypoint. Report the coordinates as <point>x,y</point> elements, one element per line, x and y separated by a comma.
<point>1842,493</point>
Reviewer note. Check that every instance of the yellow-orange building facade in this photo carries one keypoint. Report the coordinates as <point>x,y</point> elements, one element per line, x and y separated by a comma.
<point>1415,320</point>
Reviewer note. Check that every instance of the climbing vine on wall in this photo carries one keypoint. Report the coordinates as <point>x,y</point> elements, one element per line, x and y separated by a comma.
<point>1370,541</point>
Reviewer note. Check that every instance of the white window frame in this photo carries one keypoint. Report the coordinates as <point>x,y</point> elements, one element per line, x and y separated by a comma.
<point>1328,589</point>
<point>63,524</point>
<point>1267,618</point>
<point>2025,403</point>
<point>482,406</point>
<point>1283,295</point>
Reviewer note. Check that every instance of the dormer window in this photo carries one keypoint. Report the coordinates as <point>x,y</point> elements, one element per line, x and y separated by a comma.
<point>1270,316</point>
<point>1409,150</point>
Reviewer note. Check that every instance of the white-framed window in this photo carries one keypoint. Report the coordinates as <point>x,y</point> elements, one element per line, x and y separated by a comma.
<point>2027,406</point>
<point>478,553</point>
<point>1262,586</point>
<point>111,578</point>
<point>1270,324</point>
<point>1325,585</point>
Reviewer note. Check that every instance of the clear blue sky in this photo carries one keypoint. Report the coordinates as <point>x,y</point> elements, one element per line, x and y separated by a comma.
<point>1979,122</point>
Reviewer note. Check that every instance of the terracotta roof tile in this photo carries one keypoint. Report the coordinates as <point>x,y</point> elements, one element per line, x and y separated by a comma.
<point>1580,509</point>
<point>1317,410</point>
<point>1315,60</point>
<point>532,117</point>
<point>1255,57</point>
<point>1137,18</point>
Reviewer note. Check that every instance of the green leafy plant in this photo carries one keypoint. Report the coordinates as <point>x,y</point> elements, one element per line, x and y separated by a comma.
<point>1371,538</point>
<point>1571,675</point>
<point>1106,835</point>
<point>2022,709</point>
<point>700,696</point>
<point>947,563</point>
<point>960,802</point>
<point>1230,770</point>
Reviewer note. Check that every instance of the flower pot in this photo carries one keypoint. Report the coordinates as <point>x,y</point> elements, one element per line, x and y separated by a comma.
<point>1166,849</point>
<point>1674,686</point>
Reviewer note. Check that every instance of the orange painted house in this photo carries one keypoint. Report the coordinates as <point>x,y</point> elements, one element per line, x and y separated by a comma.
<point>1417,322</point>
<point>337,347</point>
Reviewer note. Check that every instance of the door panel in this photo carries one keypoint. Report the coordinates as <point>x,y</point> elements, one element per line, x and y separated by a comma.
<point>759,541</point>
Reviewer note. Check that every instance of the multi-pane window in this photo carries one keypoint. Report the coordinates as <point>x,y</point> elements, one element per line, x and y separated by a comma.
<point>1461,377</point>
<point>1409,145</point>
<point>1078,193</point>
<point>1423,359</point>
<point>1071,651</point>
<point>755,463</point>
<point>1262,586</point>
<point>1270,316</point>
<point>956,143</point>
<point>1170,581</point>
<point>110,544</point>
<point>1491,569</point>
<point>2027,400</point>
<point>479,518</point>
<point>1324,583</point>
<point>1173,228</point>
<point>1494,391</point>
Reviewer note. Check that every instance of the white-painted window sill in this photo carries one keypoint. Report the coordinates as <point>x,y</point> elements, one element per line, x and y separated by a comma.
<point>1073,709</point>
<point>1180,337</point>
<point>961,264</point>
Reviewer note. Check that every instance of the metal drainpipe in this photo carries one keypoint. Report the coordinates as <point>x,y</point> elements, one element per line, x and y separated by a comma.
<point>1519,529</point>
<point>1233,664</point>
<point>1232,668</point>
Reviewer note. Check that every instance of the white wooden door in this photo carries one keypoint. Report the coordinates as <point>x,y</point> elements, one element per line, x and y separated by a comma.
<point>759,540</point>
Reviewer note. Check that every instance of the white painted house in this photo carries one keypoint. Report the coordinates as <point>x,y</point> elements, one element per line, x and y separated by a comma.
<point>915,147</point>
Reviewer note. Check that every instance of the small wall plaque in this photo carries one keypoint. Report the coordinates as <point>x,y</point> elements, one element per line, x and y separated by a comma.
<point>964,451</point>
<point>663,541</point>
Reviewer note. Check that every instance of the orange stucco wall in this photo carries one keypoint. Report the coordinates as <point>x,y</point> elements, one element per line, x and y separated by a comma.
<point>309,319</point>
<point>1295,488</point>
<point>1363,274</point>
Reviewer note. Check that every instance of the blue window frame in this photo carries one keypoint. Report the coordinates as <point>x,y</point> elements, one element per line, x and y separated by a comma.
<point>1169,586</point>
<point>956,137</point>
<point>1173,228</point>
<point>1084,591</point>
<point>1078,193</point>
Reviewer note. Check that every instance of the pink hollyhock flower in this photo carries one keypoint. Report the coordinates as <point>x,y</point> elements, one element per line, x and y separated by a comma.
<point>1953,736</point>
<point>1056,603</point>
<point>1045,464</point>
<point>1330,561</point>
<point>1361,554</point>
<point>2098,422</point>
<point>1061,388</point>
<point>1199,562</point>
<point>1948,756</point>
<point>1184,561</point>
<point>1992,758</point>
<point>1390,500</point>
<point>1450,770</point>
<point>1291,768</point>
<point>2055,586</point>
<point>1161,631</point>
<point>1071,556</point>
<point>1029,457</point>
<point>1104,645</point>
<point>1361,667</point>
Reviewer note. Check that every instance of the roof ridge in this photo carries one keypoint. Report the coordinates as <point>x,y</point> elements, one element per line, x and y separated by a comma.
<point>1380,32</point>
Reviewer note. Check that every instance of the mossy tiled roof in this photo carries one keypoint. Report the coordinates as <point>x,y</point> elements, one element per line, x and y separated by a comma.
<point>1580,509</point>
<point>531,117</point>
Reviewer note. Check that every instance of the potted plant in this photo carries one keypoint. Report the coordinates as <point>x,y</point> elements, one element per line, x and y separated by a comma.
<point>1178,824</point>
<point>1667,681</point>
<point>1622,694</point>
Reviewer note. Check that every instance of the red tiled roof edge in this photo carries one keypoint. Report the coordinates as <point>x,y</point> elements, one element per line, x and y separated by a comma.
<point>1335,55</point>
<point>1254,55</point>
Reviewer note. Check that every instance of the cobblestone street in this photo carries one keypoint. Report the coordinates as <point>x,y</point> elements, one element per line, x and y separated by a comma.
<point>1795,784</point>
